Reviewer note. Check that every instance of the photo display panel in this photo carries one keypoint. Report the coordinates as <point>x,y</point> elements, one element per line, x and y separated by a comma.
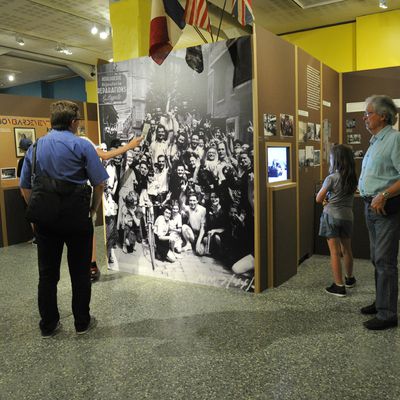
<point>181,205</point>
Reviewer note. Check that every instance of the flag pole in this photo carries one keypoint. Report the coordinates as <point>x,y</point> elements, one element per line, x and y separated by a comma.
<point>200,34</point>
<point>212,36</point>
<point>220,21</point>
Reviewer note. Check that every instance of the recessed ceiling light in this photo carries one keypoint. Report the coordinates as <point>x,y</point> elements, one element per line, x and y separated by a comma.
<point>94,30</point>
<point>11,78</point>
<point>111,60</point>
<point>104,33</point>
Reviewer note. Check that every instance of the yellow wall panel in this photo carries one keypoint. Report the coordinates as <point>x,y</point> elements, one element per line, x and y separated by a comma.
<point>334,45</point>
<point>130,21</point>
<point>378,40</point>
<point>91,91</point>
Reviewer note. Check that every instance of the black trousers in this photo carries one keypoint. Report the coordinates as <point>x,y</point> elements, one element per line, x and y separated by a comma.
<point>50,243</point>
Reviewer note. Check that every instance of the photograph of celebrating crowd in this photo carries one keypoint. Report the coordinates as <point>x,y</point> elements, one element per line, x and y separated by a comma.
<point>180,205</point>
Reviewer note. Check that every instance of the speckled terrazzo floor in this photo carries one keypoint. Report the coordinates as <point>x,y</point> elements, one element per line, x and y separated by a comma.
<point>159,339</point>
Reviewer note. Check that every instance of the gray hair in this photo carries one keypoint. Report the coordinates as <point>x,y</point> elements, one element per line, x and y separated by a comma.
<point>384,106</point>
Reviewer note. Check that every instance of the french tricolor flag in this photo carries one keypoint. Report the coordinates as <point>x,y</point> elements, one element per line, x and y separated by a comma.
<point>167,22</point>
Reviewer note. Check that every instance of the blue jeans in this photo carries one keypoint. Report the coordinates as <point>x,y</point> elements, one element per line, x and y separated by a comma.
<point>384,235</point>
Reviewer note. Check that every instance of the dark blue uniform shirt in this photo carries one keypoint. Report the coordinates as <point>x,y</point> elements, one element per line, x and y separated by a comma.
<point>65,156</point>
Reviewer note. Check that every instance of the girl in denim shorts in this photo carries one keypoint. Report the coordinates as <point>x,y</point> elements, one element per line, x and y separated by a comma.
<point>336,224</point>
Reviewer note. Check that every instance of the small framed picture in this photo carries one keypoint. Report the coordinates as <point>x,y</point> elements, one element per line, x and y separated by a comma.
<point>8,173</point>
<point>23,133</point>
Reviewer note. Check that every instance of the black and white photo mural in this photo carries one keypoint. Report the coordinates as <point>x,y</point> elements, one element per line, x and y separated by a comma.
<point>181,205</point>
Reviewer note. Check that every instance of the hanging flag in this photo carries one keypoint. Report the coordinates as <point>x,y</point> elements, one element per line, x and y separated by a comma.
<point>166,24</point>
<point>240,52</point>
<point>243,11</point>
<point>196,14</point>
<point>194,58</point>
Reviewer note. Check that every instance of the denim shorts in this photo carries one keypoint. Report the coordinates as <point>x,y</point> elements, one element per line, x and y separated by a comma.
<point>331,227</point>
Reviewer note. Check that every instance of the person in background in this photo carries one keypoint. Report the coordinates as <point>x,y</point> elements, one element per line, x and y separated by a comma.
<point>336,225</point>
<point>69,162</point>
<point>379,186</point>
<point>24,145</point>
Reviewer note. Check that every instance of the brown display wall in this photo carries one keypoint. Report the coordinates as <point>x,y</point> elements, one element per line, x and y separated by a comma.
<point>291,82</point>
<point>26,112</point>
<point>357,86</point>
<point>309,175</point>
<point>276,94</point>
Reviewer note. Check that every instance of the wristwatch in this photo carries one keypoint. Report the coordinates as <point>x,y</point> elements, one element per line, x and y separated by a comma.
<point>385,195</point>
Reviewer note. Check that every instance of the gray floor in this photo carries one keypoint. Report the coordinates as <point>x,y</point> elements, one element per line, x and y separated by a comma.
<point>159,339</point>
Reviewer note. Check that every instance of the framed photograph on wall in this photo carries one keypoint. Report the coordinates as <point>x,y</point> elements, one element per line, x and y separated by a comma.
<point>21,133</point>
<point>287,127</point>
<point>8,173</point>
<point>269,125</point>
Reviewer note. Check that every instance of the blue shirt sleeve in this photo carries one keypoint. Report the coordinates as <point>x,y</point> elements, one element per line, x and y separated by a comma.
<point>94,168</point>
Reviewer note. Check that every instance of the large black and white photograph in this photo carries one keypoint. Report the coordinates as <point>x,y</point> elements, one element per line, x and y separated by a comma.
<point>181,205</point>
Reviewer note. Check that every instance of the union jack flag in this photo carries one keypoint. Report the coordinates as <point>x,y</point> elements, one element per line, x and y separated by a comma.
<point>243,10</point>
<point>196,14</point>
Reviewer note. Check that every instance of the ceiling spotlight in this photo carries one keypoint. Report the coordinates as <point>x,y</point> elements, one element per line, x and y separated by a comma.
<point>105,33</point>
<point>382,4</point>
<point>111,60</point>
<point>11,78</point>
<point>19,40</point>
<point>94,30</point>
<point>61,48</point>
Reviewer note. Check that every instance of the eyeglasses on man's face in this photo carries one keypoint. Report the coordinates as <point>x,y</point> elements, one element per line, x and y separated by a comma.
<point>368,113</point>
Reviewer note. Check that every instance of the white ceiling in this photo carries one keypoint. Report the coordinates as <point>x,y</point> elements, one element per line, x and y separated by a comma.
<point>44,23</point>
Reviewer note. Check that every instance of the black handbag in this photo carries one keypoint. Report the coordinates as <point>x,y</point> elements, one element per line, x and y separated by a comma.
<point>44,203</point>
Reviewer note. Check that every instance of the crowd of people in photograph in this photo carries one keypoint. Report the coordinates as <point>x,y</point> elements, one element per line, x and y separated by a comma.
<point>193,181</point>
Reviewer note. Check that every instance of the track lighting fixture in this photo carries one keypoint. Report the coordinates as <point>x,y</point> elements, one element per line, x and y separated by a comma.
<point>20,40</point>
<point>382,4</point>
<point>61,48</point>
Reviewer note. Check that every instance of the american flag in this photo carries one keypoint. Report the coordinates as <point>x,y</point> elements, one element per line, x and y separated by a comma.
<point>243,10</point>
<point>196,14</point>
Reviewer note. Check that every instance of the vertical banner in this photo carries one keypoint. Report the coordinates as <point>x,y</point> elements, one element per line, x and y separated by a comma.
<point>181,205</point>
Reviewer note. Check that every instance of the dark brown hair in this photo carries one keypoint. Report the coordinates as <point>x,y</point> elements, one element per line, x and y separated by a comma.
<point>343,163</point>
<point>63,112</point>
